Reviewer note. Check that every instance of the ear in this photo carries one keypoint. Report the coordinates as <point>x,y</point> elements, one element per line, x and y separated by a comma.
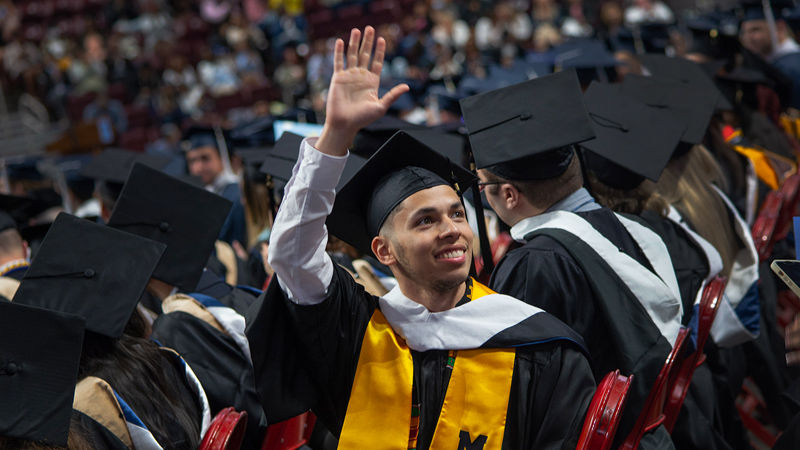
<point>510,195</point>
<point>381,247</point>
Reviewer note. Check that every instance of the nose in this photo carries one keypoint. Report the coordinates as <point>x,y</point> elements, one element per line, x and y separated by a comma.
<point>450,229</point>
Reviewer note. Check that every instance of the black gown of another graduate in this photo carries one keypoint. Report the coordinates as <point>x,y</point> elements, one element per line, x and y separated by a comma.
<point>306,356</point>
<point>708,418</point>
<point>616,328</point>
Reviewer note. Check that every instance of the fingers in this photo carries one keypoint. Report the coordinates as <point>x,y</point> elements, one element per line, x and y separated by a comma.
<point>377,61</point>
<point>338,56</point>
<point>366,47</point>
<point>352,48</point>
<point>393,95</point>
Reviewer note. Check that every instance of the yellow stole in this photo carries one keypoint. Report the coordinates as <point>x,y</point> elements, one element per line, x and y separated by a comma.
<point>770,168</point>
<point>379,411</point>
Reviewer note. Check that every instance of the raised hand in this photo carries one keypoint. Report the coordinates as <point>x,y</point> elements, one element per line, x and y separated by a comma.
<point>353,101</point>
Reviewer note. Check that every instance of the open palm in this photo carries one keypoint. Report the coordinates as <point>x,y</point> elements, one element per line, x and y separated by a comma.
<point>353,101</point>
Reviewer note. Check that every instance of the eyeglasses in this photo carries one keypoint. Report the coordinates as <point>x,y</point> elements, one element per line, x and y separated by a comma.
<point>482,184</point>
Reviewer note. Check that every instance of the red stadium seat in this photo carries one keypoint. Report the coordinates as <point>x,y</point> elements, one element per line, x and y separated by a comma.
<point>76,105</point>
<point>138,116</point>
<point>652,414</point>
<point>790,189</point>
<point>137,139</point>
<point>679,383</point>
<point>604,412</point>
<point>763,230</point>
<point>290,434</point>
<point>226,431</point>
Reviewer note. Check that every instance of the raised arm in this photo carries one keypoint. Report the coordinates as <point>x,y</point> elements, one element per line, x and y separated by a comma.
<point>297,244</point>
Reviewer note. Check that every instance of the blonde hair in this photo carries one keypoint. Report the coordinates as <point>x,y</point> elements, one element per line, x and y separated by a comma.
<point>686,184</point>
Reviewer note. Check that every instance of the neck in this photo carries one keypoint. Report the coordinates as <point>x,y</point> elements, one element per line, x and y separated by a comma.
<point>11,258</point>
<point>159,289</point>
<point>434,300</point>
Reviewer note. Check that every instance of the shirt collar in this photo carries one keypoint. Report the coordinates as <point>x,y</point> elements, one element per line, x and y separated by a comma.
<point>579,201</point>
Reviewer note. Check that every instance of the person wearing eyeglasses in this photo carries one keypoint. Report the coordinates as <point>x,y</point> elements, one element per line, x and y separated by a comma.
<point>608,278</point>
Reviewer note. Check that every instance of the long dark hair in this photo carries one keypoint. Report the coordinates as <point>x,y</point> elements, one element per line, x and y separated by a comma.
<point>149,380</point>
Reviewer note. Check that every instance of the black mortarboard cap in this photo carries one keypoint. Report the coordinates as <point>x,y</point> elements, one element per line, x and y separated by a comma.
<point>792,16</point>
<point>683,71</point>
<point>198,136</point>
<point>400,168</point>
<point>630,134</point>
<point>114,164</point>
<point>280,162</point>
<point>693,105</point>
<point>25,169</point>
<point>92,271</point>
<point>451,145</point>
<point>524,131</point>
<point>187,218</point>
<point>39,361</point>
<point>371,137</point>
<point>288,146</point>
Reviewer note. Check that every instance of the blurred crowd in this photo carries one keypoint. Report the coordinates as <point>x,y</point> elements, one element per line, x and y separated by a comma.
<point>231,61</point>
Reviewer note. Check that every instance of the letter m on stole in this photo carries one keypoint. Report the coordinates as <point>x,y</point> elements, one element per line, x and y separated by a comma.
<point>465,443</point>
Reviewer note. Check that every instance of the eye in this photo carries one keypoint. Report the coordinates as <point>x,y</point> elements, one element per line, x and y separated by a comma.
<point>458,214</point>
<point>426,220</point>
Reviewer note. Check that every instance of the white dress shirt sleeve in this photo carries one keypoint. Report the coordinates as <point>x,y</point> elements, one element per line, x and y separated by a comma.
<point>299,236</point>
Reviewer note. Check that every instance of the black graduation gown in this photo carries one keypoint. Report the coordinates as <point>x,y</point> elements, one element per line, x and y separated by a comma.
<point>306,357</point>
<point>98,436</point>
<point>223,370</point>
<point>708,418</point>
<point>617,330</point>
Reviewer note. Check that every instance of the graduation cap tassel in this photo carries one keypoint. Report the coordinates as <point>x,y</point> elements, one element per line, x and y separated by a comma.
<point>483,236</point>
<point>271,195</point>
<point>223,150</point>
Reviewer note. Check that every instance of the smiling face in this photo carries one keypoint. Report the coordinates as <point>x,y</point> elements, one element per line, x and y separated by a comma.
<point>426,240</point>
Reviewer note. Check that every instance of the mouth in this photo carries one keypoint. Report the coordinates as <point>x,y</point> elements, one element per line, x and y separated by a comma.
<point>452,254</point>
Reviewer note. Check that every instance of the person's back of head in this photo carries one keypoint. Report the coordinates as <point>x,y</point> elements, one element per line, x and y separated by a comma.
<point>687,184</point>
<point>11,245</point>
<point>146,378</point>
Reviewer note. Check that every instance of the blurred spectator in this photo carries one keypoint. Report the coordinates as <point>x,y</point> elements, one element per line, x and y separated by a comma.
<point>648,11</point>
<point>9,20</point>
<point>103,108</point>
<point>505,24</point>
<point>290,76</point>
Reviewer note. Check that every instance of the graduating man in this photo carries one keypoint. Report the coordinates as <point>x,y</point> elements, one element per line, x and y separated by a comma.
<point>609,278</point>
<point>440,361</point>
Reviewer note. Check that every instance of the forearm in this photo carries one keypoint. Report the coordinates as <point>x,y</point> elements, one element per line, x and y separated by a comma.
<point>298,239</point>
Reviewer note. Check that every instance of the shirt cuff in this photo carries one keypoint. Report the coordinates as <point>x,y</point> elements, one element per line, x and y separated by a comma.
<point>320,170</point>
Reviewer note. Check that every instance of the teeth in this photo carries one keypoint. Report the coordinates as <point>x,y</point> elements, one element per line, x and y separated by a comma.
<point>452,254</point>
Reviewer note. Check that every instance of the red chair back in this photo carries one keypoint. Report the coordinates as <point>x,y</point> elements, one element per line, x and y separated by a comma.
<point>290,434</point>
<point>226,431</point>
<point>679,384</point>
<point>763,230</point>
<point>605,412</point>
<point>790,189</point>
<point>652,414</point>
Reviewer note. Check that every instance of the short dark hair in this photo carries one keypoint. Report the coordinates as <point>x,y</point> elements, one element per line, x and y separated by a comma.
<point>544,193</point>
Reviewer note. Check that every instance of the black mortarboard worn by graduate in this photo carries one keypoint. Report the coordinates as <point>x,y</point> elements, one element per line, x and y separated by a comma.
<point>78,271</point>
<point>39,360</point>
<point>300,365</point>
<point>633,141</point>
<point>402,167</point>
<point>186,218</point>
<point>110,169</point>
<point>279,163</point>
<point>526,131</point>
<point>114,164</point>
<point>692,104</point>
<point>684,71</point>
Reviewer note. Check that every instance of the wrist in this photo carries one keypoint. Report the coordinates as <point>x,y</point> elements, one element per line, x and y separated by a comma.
<point>334,141</point>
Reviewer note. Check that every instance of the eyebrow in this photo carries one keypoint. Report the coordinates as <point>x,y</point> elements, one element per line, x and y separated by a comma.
<point>432,210</point>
